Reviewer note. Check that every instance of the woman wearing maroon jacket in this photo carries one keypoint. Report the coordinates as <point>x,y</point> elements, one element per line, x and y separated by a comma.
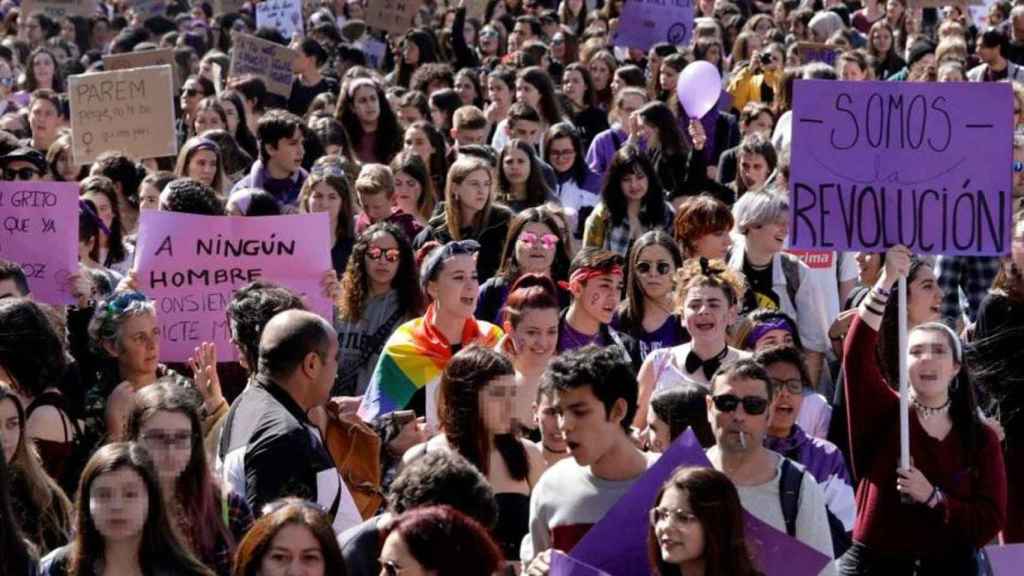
<point>955,489</point>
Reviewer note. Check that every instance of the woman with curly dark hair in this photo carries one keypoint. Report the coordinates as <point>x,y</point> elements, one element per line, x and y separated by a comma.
<point>376,296</point>
<point>292,530</point>
<point>369,121</point>
<point>475,408</point>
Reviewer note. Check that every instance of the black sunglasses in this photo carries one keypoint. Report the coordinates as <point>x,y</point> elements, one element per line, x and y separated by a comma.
<point>21,174</point>
<point>752,405</point>
<point>662,268</point>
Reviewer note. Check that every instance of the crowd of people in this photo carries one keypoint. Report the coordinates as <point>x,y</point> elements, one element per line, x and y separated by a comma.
<point>544,273</point>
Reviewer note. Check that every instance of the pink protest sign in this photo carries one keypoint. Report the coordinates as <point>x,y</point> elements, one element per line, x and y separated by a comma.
<point>191,265</point>
<point>39,231</point>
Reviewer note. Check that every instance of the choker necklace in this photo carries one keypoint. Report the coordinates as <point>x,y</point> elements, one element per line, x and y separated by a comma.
<point>927,411</point>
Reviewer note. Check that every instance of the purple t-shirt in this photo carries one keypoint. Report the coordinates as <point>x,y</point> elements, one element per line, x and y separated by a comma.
<point>570,339</point>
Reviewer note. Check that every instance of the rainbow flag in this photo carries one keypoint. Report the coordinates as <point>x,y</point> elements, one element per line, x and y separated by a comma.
<point>414,357</point>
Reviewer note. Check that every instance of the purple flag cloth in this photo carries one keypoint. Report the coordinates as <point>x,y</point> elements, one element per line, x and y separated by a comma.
<point>923,164</point>
<point>563,565</point>
<point>1004,560</point>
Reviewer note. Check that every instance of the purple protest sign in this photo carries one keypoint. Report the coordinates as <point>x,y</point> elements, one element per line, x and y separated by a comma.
<point>618,543</point>
<point>562,565</point>
<point>39,231</point>
<point>1003,560</point>
<point>924,164</point>
<point>644,23</point>
<point>191,265</point>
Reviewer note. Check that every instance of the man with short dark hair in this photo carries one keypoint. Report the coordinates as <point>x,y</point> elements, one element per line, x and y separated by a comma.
<point>595,394</point>
<point>991,49</point>
<point>189,196</point>
<point>595,282</point>
<point>13,283</point>
<point>279,168</point>
<point>309,82</point>
<point>269,446</point>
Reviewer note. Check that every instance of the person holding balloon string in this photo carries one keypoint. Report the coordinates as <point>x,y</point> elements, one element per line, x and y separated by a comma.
<point>951,500</point>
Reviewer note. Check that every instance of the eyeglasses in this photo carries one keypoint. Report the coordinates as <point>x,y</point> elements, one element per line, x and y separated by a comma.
<point>488,33</point>
<point>190,92</point>
<point>176,441</point>
<point>390,568</point>
<point>561,153</point>
<point>646,267</point>
<point>390,254</point>
<point>547,241</point>
<point>752,405</point>
<point>21,174</point>
<point>794,386</point>
<point>678,516</point>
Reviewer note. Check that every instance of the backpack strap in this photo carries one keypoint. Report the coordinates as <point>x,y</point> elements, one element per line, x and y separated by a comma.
<point>789,494</point>
<point>791,271</point>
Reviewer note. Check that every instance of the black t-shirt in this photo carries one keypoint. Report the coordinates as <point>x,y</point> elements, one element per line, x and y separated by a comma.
<point>302,96</point>
<point>759,289</point>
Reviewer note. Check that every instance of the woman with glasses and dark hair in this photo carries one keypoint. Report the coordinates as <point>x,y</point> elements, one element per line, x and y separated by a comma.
<point>438,540</point>
<point>122,524</point>
<point>211,518</point>
<point>293,536</point>
<point>408,372</point>
<point>697,526</point>
<point>376,297</point>
<point>578,187</point>
<point>707,294</point>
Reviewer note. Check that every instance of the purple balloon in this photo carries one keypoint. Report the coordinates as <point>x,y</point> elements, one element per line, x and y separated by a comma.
<point>698,88</point>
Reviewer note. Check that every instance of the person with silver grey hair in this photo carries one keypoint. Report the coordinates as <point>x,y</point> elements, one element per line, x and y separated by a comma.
<point>777,280</point>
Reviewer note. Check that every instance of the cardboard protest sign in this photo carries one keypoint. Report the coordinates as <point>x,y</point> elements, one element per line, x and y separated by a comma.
<point>191,265</point>
<point>1002,560</point>
<point>562,565</point>
<point>395,16</point>
<point>57,9</point>
<point>816,52</point>
<point>258,57</point>
<point>644,23</point>
<point>618,543</point>
<point>39,231</point>
<point>227,6</point>
<point>149,8</point>
<point>285,16</point>
<point>128,110</point>
<point>141,59</point>
<point>476,9</point>
<point>926,165</point>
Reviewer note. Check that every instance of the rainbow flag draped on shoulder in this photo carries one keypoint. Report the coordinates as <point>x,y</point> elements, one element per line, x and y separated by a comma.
<point>414,357</point>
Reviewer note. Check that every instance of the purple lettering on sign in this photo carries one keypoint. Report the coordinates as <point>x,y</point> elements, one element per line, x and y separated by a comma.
<point>39,231</point>
<point>644,23</point>
<point>191,265</point>
<point>926,165</point>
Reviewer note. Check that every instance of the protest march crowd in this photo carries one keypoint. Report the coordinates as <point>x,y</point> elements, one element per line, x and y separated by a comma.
<point>497,287</point>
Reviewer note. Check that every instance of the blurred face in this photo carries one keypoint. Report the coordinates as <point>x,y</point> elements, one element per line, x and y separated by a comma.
<point>785,408</point>
<point>138,347</point>
<point>209,120</point>
<point>168,437</point>
<point>773,339</point>
<point>761,124</point>
<point>527,130</point>
<point>496,404</point>
<point>629,105</point>
<point>882,40</point>
<point>294,551</point>
<point>376,206</point>
<point>893,10</point>
<point>191,94</point>
<point>409,114</point>
<point>395,558</point>
<point>753,170</point>
<point>407,193</point>
<point>410,52</point>
<point>680,533</point>
<point>987,54</point>
<point>466,90</point>
<point>600,74</point>
<point>44,120</point>
<point>599,297</point>
<point>203,166</point>
<point>418,143</point>
<point>149,197</point>
<point>707,313</point>
<point>561,154</point>
<point>10,428</point>
<point>325,198</point>
<point>516,166</point>
<point>382,259</point>
<point>527,93</point>
<point>536,335</point>
<point>287,154</point>
<point>366,105</point>
<point>768,238</point>
<point>659,436</point>
<point>44,68</point>
<point>535,248</point>
<point>869,267</point>
<point>574,87</point>
<point>6,78</point>
<point>931,364</point>
<point>587,427</point>
<point>729,426</point>
<point>455,289</point>
<point>466,136</point>
<point>668,77</point>
<point>714,245</point>
<point>498,92</point>
<point>473,192</point>
<point>119,504</point>
<point>546,418</point>
<point>924,297</point>
<point>231,113</point>
<point>438,117</point>
<point>851,71</point>
<point>634,186</point>
<point>655,269</point>
<point>103,208</point>
<point>489,38</point>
